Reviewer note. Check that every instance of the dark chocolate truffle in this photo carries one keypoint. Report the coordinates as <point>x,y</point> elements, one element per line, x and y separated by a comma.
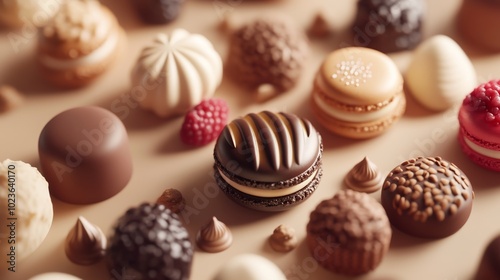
<point>349,233</point>
<point>489,267</point>
<point>149,242</point>
<point>268,161</point>
<point>388,25</point>
<point>267,51</point>
<point>158,11</point>
<point>427,197</point>
<point>84,155</point>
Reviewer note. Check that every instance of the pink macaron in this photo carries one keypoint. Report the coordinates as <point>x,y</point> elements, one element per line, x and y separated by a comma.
<point>479,119</point>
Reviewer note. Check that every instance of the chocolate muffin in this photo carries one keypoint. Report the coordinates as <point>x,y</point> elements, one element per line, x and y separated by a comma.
<point>267,51</point>
<point>388,25</point>
<point>349,233</point>
<point>150,242</point>
<point>427,197</point>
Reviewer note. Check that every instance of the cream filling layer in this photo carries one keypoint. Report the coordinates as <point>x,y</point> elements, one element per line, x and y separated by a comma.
<point>481,150</point>
<point>268,193</point>
<point>356,117</point>
<point>98,55</point>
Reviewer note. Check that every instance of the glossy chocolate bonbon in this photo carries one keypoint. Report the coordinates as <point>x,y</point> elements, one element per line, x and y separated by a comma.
<point>85,156</point>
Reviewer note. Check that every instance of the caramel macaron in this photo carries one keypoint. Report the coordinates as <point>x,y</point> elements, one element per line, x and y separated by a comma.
<point>358,93</point>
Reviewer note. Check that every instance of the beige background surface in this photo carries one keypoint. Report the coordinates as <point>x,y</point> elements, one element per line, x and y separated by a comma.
<point>162,161</point>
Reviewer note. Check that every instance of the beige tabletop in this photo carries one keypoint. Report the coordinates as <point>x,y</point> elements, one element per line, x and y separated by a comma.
<point>162,161</point>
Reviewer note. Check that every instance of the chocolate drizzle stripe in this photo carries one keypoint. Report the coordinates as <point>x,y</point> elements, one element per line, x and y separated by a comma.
<point>248,140</point>
<point>285,138</point>
<point>230,135</point>
<point>298,135</point>
<point>268,139</point>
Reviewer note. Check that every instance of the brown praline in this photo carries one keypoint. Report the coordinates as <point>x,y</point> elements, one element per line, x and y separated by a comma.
<point>427,197</point>
<point>267,51</point>
<point>84,155</point>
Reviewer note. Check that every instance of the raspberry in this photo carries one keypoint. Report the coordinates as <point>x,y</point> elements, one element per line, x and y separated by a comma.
<point>204,122</point>
<point>485,99</point>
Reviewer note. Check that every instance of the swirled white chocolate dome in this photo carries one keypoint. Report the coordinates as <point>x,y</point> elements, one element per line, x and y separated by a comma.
<point>175,72</point>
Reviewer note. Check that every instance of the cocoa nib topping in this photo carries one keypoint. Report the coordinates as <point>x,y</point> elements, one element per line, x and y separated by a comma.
<point>428,187</point>
<point>352,220</point>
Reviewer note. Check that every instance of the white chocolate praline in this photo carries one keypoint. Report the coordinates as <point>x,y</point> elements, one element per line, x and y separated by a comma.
<point>249,267</point>
<point>30,217</point>
<point>16,13</point>
<point>176,72</point>
<point>54,276</point>
<point>440,74</point>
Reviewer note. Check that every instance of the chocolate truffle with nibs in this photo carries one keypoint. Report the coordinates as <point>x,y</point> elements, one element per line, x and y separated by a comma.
<point>150,243</point>
<point>427,197</point>
<point>267,52</point>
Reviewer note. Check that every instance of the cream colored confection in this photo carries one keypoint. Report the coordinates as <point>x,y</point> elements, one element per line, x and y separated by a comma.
<point>79,43</point>
<point>19,13</point>
<point>176,72</point>
<point>27,216</point>
<point>268,193</point>
<point>250,267</point>
<point>54,276</point>
<point>440,74</point>
<point>83,31</point>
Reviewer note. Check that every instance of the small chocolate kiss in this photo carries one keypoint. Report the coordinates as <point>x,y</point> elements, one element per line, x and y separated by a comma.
<point>85,243</point>
<point>214,237</point>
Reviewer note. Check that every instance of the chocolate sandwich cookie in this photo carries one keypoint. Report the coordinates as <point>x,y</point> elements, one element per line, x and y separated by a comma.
<point>427,197</point>
<point>268,161</point>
